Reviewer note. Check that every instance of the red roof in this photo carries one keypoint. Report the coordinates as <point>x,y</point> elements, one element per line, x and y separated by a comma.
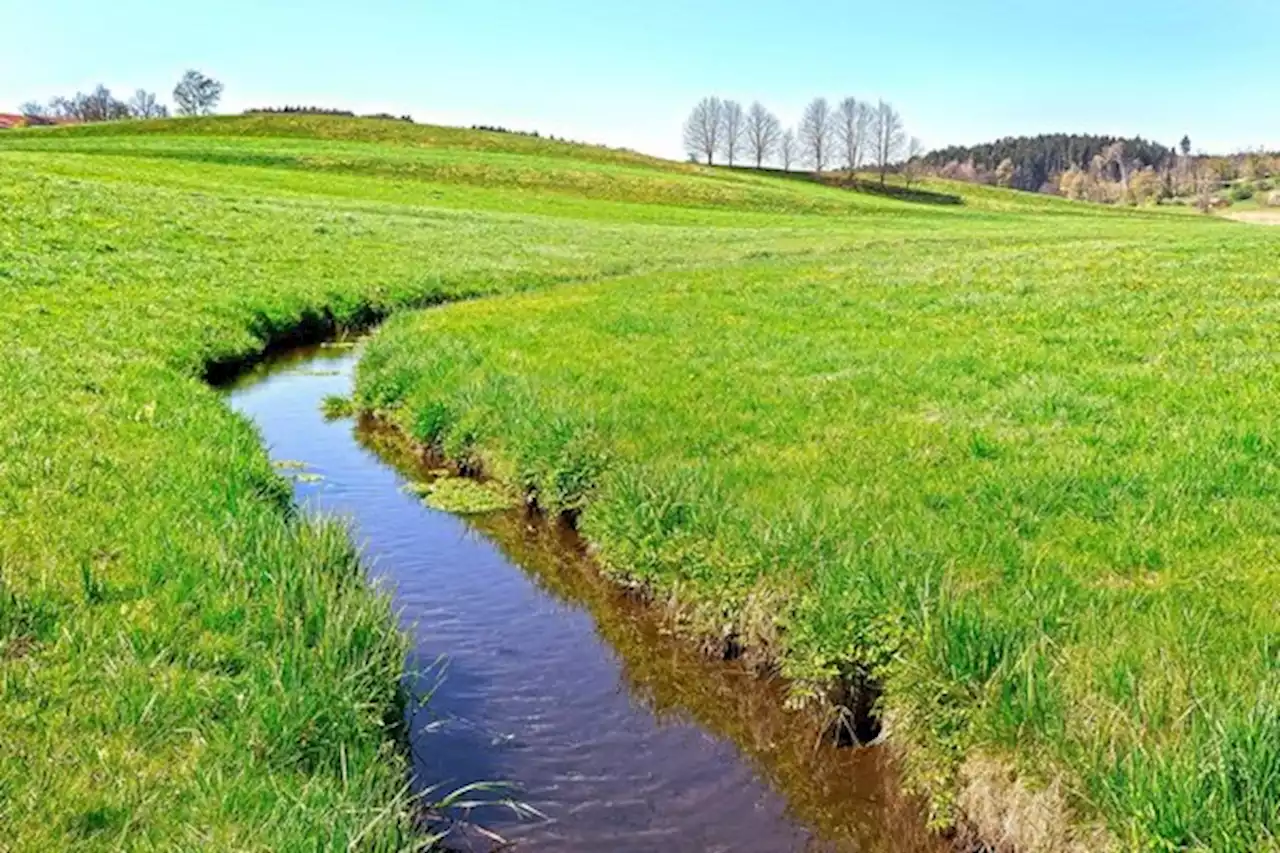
<point>12,120</point>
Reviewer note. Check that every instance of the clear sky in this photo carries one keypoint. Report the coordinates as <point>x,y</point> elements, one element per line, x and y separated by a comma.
<point>627,73</point>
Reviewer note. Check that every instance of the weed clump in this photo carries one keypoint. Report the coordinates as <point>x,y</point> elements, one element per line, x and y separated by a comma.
<point>337,407</point>
<point>465,496</point>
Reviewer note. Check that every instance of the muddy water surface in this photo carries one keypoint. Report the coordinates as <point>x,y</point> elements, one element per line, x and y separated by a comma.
<point>624,737</point>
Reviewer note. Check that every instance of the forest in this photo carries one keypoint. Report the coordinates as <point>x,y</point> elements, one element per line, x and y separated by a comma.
<point>1037,160</point>
<point>1113,170</point>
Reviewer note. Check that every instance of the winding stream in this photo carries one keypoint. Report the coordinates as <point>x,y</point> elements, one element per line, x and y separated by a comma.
<point>624,737</point>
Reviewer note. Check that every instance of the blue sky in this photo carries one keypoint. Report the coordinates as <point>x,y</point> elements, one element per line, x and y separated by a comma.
<point>627,73</point>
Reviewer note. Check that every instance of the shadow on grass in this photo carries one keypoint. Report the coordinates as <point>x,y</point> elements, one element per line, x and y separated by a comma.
<point>844,181</point>
<point>915,195</point>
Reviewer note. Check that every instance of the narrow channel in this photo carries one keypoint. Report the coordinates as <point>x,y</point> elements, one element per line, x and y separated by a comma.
<point>625,737</point>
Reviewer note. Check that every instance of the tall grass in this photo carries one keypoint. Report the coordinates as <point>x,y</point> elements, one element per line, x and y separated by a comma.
<point>1023,450</point>
<point>1028,486</point>
<point>183,663</point>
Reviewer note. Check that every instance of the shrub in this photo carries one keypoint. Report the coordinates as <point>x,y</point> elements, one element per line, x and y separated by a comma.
<point>1242,192</point>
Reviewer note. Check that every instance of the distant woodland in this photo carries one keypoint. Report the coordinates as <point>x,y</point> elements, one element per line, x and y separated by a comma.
<point>852,136</point>
<point>1036,163</point>
<point>1111,170</point>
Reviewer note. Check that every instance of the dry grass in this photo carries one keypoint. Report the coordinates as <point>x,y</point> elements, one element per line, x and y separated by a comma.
<point>1255,217</point>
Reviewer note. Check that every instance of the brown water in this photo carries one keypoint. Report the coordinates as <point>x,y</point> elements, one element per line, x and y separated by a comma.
<point>623,736</point>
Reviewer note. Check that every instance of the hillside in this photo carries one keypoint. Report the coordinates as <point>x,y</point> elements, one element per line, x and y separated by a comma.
<point>1011,460</point>
<point>339,129</point>
<point>473,168</point>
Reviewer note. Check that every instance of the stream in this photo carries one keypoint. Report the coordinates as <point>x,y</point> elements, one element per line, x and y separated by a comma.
<point>623,737</point>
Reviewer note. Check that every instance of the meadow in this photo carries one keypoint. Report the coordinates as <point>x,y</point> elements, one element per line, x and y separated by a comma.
<point>1014,461</point>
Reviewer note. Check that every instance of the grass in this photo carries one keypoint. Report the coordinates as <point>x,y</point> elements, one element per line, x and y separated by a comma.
<point>1015,458</point>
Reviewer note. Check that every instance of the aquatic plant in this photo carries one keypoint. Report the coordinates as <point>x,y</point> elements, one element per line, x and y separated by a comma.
<point>465,496</point>
<point>336,407</point>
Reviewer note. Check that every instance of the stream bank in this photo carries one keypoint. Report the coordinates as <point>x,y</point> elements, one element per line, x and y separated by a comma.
<point>557,681</point>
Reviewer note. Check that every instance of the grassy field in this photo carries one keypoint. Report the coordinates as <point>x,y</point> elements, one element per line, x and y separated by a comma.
<point>1015,459</point>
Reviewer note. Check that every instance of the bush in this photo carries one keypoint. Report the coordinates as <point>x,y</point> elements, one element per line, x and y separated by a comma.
<point>299,110</point>
<point>1242,192</point>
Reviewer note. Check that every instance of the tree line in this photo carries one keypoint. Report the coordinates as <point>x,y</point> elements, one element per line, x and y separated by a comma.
<point>323,111</point>
<point>1040,160</point>
<point>497,128</point>
<point>194,95</point>
<point>1109,170</point>
<point>849,135</point>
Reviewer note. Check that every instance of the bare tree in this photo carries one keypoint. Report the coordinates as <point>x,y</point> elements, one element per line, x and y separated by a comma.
<point>1206,186</point>
<point>98,105</point>
<point>815,133</point>
<point>851,131</point>
<point>105,107</point>
<point>889,137</point>
<point>1116,154</point>
<point>144,104</point>
<point>733,124</point>
<point>32,109</point>
<point>702,129</point>
<point>787,148</point>
<point>914,166</point>
<point>196,94</point>
<point>1006,173</point>
<point>865,121</point>
<point>763,133</point>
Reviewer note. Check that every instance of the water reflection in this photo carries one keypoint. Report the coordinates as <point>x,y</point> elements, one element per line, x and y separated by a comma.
<point>625,736</point>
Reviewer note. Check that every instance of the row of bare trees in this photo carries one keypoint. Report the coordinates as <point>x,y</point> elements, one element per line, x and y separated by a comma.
<point>194,95</point>
<point>98,105</point>
<point>851,135</point>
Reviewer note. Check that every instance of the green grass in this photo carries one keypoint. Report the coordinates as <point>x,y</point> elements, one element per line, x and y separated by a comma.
<point>1016,458</point>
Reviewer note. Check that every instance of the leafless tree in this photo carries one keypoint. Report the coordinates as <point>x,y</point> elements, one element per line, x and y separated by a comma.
<point>702,129</point>
<point>144,104</point>
<point>787,148</point>
<point>914,166</point>
<point>1006,173</point>
<point>733,124</point>
<point>1116,154</point>
<point>196,94</point>
<point>852,117</point>
<point>31,109</point>
<point>1206,186</point>
<point>101,105</point>
<point>98,105</point>
<point>889,137</point>
<point>815,133</point>
<point>763,133</point>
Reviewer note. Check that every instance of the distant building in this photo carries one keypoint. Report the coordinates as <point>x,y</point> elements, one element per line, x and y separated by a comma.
<point>9,121</point>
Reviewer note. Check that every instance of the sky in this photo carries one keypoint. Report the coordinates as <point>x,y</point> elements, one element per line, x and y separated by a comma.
<point>626,74</point>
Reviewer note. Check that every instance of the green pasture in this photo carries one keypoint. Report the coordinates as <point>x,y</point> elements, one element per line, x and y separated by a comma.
<point>1016,460</point>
